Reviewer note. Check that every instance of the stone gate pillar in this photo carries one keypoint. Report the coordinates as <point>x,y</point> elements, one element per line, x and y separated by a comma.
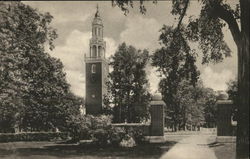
<point>224,122</point>
<point>157,119</point>
<point>226,127</point>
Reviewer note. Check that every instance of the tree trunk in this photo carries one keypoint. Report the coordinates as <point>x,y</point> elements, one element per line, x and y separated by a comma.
<point>243,106</point>
<point>242,145</point>
<point>175,127</point>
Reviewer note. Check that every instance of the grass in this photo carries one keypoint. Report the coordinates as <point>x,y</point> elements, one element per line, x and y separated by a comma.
<point>51,150</point>
<point>224,150</point>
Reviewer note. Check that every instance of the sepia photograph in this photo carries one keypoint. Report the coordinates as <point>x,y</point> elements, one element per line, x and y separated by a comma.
<point>124,79</point>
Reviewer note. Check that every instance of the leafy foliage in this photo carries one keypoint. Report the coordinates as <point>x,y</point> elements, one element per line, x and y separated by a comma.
<point>137,134</point>
<point>207,30</point>
<point>78,127</point>
<point>33,136</point>
<point>233,94</point>
<point>176,62</point>
<point>96,128</point>
<point>191,110</point>
<point>128,85</point>
<point>210,107</point>
<point>125,4</point>
<point>232,90</point>
<point>128,141</point>
<point>33,88</point>
<point>195,107</point>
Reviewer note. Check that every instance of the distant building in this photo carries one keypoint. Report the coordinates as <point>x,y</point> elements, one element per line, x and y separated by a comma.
<point>96,68</point>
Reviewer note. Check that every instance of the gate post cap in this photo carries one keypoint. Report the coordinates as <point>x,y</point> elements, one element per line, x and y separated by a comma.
<point>157,97</point>
<point>222,95</point>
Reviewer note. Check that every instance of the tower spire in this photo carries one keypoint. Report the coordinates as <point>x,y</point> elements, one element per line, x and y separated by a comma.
<point>97,14</point>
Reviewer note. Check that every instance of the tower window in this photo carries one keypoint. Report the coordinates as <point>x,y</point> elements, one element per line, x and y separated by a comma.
<point>99,31</point>
<point>94,53</point>
<point>96,31</point>
<point>99,51</point>
<point>93,68</point>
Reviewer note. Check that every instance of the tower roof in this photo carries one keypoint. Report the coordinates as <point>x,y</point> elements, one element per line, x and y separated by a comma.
<point>97,18</point>
<point>97,14</point>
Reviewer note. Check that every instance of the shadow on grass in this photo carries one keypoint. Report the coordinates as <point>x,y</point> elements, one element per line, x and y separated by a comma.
<point>215,144</point>
<point>147,150</point>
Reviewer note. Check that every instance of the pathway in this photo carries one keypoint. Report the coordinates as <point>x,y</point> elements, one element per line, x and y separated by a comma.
<point>193,147</point>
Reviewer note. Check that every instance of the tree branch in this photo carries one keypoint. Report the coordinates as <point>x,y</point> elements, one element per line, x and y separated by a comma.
<point>228,17</point>
<point>182,15</point>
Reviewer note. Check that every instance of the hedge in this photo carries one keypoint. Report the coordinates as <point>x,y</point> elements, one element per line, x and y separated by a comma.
<point>144,128</point>
<point>33,136</point>
<point>136,130</point>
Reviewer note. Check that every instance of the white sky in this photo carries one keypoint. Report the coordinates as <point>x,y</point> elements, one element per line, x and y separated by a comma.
<point>73,23</point>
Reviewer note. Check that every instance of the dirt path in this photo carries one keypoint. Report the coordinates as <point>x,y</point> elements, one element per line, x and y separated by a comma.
<point>193,147</point>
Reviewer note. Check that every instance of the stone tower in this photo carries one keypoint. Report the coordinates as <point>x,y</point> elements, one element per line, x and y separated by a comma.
<point>96,68</point>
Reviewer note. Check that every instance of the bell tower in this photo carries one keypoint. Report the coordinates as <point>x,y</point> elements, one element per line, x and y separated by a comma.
<point>96,68</point>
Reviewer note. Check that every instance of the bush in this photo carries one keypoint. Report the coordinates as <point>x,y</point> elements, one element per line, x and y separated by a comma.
<point>79,127</point>
<point>96,128</point>
<point>137,134</point>
<point>102,121</point>
<point>88,127</point>
<point>108,136</point>
<point>117,135</point>
<point>33,136</point>
<point>128,141</point>
<point>101,137</point>
<point>103,133</point>
<point>135,130</point>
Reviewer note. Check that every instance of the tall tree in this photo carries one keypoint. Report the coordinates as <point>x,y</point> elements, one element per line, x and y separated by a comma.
<point>192,104</point>
<point>176,62</point>
<point>128,85</point>
<point>210,108</point>
<point>207,30</point>
<point>32,83</point>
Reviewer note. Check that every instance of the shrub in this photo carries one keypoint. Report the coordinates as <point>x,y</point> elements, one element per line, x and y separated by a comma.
<point>101,137</point>
<point>128,141</point>
<point>137,134</point>
<point>89,127</point>
<point>102,121</point>
<point>103,133</point>
<point>117,135</point>
<point>137,131</point>
<point>33,136</point>
<point>108,136</point>
<point>79,127</point>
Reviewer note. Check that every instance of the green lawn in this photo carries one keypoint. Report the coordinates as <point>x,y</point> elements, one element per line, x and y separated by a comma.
<point>51,150</point>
